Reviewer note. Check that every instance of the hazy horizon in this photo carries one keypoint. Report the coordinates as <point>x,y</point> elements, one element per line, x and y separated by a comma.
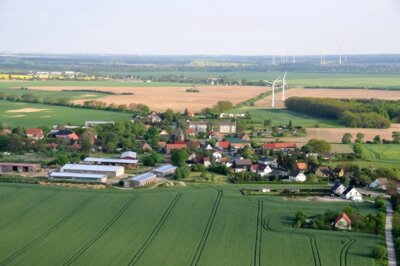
<point>202,28</point>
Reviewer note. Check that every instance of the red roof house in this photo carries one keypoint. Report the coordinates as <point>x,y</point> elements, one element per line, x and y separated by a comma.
<point>343,222</point>
<point>34,133</point>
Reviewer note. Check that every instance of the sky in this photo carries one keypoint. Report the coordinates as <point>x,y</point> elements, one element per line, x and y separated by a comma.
<point>207,27</point>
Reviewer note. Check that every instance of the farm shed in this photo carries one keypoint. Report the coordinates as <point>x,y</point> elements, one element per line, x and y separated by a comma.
<point>109,171</point>
<point>140,180</point>
<point>95,123</point>
<point>19,167</point>
<point>77,177</point>
<point>128,163</point>
<point>128,155</point>
<point>165,170</point>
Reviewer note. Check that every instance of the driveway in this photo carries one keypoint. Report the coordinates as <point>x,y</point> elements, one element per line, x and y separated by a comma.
<point>389,235</point>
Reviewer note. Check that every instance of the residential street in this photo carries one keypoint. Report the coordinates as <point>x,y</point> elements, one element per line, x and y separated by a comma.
<point>389,236</point>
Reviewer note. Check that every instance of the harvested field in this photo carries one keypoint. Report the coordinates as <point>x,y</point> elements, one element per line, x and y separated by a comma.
<point>332,93</point>
<point>176,98</point>
<point>334,135</point>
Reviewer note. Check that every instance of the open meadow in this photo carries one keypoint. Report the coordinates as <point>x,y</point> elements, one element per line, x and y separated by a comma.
<point>194,225</point>
<point>32,115</point>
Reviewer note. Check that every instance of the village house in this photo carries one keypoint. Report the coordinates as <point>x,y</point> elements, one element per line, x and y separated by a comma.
<point>153,118</point>
<point>282,146</point>
<point>227,127</point>
<point>163,133</point>
<point>338,189</point>
<point>222,145</point>
<point>339,172</point>
<point>34,133</point>
<point>297,176</point>
<point>190,132</point>
<point>217,135</point>
<point>352,194</point>
<point>323,172</point>
<point>245,137</point>
<point>146,147</point>
<point>241,165</point>
<point>238,143</point>
<point>301,166</point>
<point>217,155</point>
<point>379,183</point>
<point>261,169</point>
<point>343,222</point>
<point>176,146</point>
<point>269,161</point>
<point>66,135</point>
<point>198,126</point>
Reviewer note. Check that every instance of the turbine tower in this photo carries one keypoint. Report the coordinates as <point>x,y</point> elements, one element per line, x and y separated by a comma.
<point>273,91</point>
<point>283,86</point>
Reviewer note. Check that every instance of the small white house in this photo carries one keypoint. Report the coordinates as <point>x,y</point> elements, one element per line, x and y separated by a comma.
<point>217,155</point>
<point>338,189</point>
<point>352,194</point>
<point>343,222</point>
<point>128,155</point>
<point>297,176</point>
<point>261,169</point>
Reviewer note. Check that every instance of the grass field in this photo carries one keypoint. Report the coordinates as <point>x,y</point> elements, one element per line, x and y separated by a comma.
<point>33,115</point>
<point>283,116</point>
<point>299,79</point>
<point>382,153</point>
<point>196,225</point>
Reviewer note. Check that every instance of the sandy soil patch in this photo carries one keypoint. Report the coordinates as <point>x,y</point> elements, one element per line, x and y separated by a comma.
<point>176,98</point>
<point>27,110</point>
<point>45,116</point>
<point>334,135</point>
<point>17,115</point>
<point>331,93</point>
<point>88,96</point>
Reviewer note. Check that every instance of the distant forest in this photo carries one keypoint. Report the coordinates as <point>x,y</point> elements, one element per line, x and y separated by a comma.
<point>368,113</point>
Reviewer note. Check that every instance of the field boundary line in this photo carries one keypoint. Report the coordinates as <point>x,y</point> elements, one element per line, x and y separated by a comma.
<point>156,229</point>
<point>207,229</point>
<point>29,209</point>
<point>46,233</point>
<point>103,230</point>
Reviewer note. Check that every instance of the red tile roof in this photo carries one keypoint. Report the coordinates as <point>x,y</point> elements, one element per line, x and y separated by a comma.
<point>223,144</point>
<point>344,216</point>
<point>34,131</point>
<point>190,131</point>
<point>176,146</point>
<point>302,166</point>
<point>280,145</point>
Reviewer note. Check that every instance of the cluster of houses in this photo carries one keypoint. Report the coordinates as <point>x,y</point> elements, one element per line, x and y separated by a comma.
<point>348,193</point>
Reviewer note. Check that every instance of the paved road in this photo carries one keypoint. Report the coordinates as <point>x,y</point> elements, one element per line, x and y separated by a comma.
<point>389,236</point>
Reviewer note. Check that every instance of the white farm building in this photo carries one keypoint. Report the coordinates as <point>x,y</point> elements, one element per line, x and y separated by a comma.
<point>128,163</point>
<point>77,177</point>
<point>109,171</point>
<point>140,180</point>
<point>165,170</point>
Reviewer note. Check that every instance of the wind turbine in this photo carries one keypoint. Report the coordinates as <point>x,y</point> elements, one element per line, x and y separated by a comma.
<point>283,86</point>
<point>273,91</point>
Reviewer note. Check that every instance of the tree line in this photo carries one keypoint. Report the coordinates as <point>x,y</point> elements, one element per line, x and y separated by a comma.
<point>365,113</point>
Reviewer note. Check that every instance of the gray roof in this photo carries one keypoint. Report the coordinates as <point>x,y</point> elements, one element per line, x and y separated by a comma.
<point>131,154</point>
<point>109,160</point>
<point>142,177</point>
<point>86,167</point>
<point>165,168</point>
<point>77,175</point>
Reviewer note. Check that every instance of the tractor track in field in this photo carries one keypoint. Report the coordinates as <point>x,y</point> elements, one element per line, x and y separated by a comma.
<point>258,240</point>
<point>156,229</point>
<point>46,233</point>
<point>24,213</point>
<point>315,252</point>
<point>103,230</point>
<point>345,250</point>
<point>210,222</point>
